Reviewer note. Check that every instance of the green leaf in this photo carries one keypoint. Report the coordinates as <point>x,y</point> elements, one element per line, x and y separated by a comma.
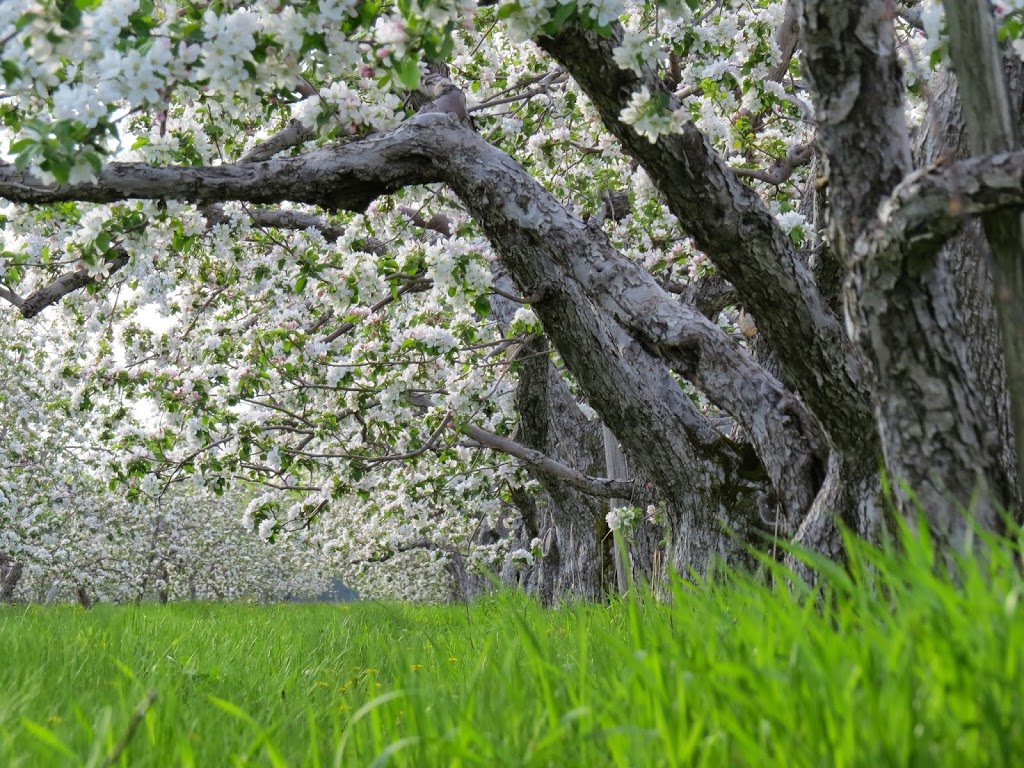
<point>59,167</point>
<point>48,737</point>
<point>21,145</point>
<point>482,305</point>
<point>10,70</point>
<point>70,14</point>
<point>509,9</point>
<point>368,13</point>
<point>232,709</point>
<point>316,41</point>
<point>95,160</point>
<point>24,20</point>
<point>561,15</point>
<point>408,71</point>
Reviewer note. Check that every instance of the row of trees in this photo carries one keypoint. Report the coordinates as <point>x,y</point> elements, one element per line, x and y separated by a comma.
<point>64,535</point>
<point>705,267</point>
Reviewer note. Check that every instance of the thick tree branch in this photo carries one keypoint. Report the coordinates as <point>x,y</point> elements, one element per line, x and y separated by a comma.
<point>786,37</point>
<point>530,229</point>
<point>11,297</point>
<point>732,225</point>
<point>344,177</point>
<point>708,295</point>
<point>533,224</point>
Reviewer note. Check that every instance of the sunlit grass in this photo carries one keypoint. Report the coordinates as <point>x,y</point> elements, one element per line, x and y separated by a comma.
<point>886,663</point>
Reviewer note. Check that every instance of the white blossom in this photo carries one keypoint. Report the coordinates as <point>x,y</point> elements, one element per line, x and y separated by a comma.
<point>649,119</point>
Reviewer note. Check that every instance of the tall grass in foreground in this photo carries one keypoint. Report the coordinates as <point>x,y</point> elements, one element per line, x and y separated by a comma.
<point>889,664</point>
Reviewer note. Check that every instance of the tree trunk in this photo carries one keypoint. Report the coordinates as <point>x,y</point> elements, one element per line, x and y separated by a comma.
<point>932,416</point>
<point>990,118</point>
<point>11,571</point>
<point>942,135</point>
<point>567,521</point>
<point>84,599</point>
<point>941,399</point>
<point>551,422</point>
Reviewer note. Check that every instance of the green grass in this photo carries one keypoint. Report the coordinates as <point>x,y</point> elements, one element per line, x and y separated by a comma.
<point>888,665</point>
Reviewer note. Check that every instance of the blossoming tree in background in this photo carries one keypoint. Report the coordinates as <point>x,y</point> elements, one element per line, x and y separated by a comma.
<point>65,535</point>
<point>419,270</point>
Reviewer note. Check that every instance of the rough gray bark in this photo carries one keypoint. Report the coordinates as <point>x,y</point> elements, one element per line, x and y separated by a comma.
<point>566,517</point>
<point>551,421</point>
<point>914,307</point>
<point>991,128</point>
<point>36,302</point>
<point>902,299</point>
<point>942,137</point>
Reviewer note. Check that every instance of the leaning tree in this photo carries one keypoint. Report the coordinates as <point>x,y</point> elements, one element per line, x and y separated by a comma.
<point>485,284</point>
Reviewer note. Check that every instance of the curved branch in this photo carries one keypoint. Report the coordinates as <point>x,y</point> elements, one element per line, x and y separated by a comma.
<point>781,170</point>
<point>343,177</point>
<point>550,252</point>
<point>293,134</point>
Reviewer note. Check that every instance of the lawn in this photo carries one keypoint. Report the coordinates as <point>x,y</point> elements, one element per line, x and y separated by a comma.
<point>885,664</point>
